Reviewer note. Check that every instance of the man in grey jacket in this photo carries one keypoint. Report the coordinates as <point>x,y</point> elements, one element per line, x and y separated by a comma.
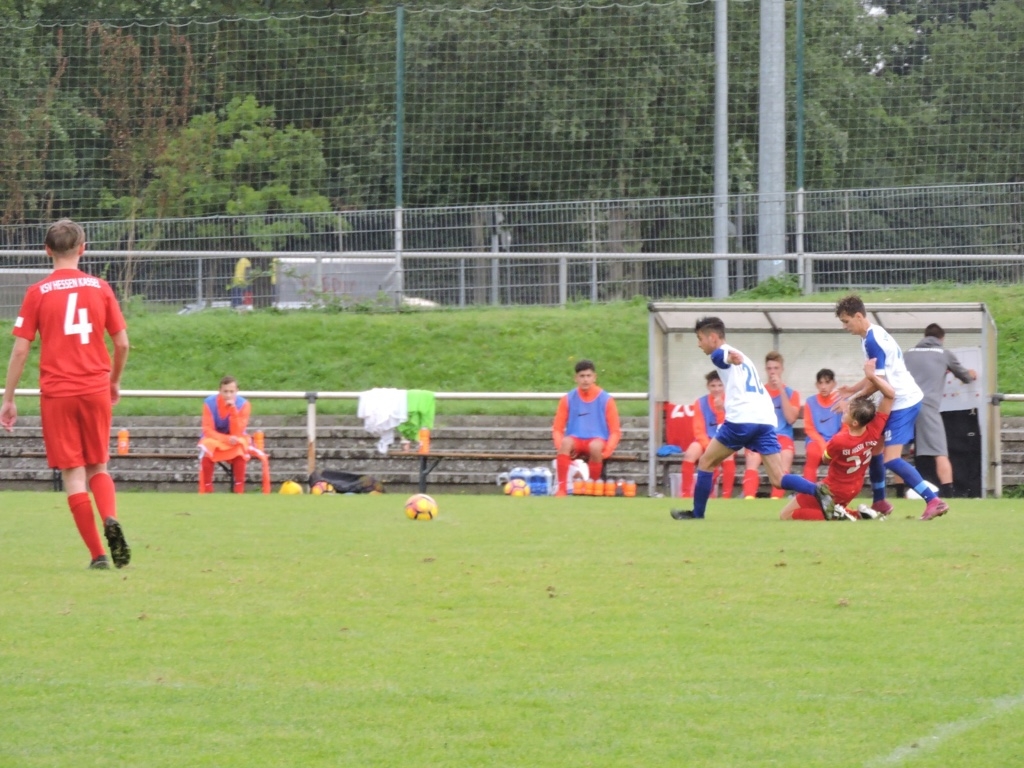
<point>928,363</point>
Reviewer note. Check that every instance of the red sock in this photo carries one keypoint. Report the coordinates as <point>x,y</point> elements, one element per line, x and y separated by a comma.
<point>750,482</point>
<point>85,521</point>
<point>778,493</point>
<point>103,491</point>
<point>206,475</point>
<point>728,478</point>
<point>803,513</point>
<point>689,468</point>
<point>238,474</point>
<point>595,467</point>
<point>562,462</point>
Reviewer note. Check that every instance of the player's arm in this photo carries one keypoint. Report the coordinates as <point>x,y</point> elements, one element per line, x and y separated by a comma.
<point>880,384</point>
<point>561,419</point>
<point>121,347</point>
<point>700,429</point>
<point>725,356</point>
<point>240,421</point>
<point>790,405</point>
<point>611,415</point>
<point>209,426</point>
<point>957,369</point>
<point>15,367</point>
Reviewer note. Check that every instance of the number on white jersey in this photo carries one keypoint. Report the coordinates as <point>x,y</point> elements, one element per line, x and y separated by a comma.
<point>83,327</point>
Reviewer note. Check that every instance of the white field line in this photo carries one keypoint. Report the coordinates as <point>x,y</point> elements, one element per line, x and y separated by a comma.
<point>945,731</point>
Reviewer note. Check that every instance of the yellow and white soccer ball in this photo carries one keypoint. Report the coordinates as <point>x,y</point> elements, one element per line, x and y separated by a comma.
<point>321,487</point>
<point>290,488</point>
<point>419,506</point>
<point>517,486</point>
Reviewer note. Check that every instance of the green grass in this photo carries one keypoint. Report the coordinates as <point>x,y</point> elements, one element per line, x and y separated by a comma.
<point>267,631</point>
<point>521,349</point>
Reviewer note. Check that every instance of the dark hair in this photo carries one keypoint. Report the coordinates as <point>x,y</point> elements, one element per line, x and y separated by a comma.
<point>64,236</point>
<point>712,376</point>
<point>585,365</point>
<point>934,330</point>
<point>774,355</point>
<point>228,380</point>
<point>825,374</point>
<point>862,410</point>
<point>851,305</point>
<point>710,325</point>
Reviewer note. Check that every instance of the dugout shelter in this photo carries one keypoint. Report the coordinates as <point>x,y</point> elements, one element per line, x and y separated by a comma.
<point>810,338</point>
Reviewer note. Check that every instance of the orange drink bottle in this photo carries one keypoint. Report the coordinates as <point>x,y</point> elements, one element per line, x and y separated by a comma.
<point>588,489</point>
<point>609,487</point>
<point>629,488</point>
<point>258,439</point>
<point>578,488</point>
<point>424,438</point>
<point>122,442</point>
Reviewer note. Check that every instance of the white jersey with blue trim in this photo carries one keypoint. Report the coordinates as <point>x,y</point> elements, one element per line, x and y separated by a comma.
<point>746,399</point>
<point>889,362</point>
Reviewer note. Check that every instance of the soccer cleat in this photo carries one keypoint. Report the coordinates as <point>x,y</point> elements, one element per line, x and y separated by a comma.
<point>935,508</point>
<point>684,514</point>
<point>120,552</point>
<point>882,507</point>
<point>867,513</point>
<point>824,497</point>
<point>839,512</point>
<point>99,564</point>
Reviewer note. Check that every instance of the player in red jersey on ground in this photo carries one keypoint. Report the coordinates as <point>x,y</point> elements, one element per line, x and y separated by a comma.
<point>586,426</point>
<point>70,311</point>
<point>849,452</point>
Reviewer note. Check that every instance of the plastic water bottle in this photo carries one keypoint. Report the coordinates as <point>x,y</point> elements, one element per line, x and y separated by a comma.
<point>540,481</point>
<point>122,442</point>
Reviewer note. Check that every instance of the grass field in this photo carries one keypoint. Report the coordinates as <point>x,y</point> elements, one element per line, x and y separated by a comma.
<point>332,631</point>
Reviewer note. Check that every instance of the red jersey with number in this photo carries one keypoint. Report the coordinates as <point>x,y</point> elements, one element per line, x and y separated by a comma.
<point>850,455</point>
<point>70,310</point>
<point>679,424</point>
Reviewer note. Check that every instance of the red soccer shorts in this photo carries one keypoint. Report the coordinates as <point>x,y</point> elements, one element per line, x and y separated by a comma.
<point>786,443</point>
<point>76,430</point>
<point>581,447</point>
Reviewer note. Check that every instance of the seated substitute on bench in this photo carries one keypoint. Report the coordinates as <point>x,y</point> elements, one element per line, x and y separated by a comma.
<point>586,426</point>
<point>225,438</point>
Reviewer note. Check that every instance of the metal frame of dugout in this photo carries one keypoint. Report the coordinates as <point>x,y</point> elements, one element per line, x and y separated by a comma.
<point>810,337</point>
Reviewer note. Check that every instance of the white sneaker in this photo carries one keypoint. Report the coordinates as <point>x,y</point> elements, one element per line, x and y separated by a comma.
<point>839,512</point>
<point>867,513</point>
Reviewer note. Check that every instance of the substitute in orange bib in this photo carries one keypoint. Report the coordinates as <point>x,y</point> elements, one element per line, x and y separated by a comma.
<point>586,426</point>
<point>71,310</point>
<point>225,437</point>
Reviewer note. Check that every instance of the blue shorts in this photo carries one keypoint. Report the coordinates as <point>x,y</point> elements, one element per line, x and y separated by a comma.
<point>757,437</point>
<point>899,430</point>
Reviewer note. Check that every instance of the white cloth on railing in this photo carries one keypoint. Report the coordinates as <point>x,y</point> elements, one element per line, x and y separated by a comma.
<point>382,409</point>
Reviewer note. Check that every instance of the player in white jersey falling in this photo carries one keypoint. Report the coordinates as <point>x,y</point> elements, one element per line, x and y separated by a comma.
<point>878,344</point>
<point>750,422</point>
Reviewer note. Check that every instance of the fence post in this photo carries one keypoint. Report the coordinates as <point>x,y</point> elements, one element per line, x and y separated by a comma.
<point>311,431</point>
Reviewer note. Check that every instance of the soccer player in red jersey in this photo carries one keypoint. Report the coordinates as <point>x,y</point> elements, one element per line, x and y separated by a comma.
<point>586,425</point>
<point>849,452</point>
<point>70,311</point>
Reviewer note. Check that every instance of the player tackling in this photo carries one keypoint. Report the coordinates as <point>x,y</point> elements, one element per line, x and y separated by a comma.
<point>879,345</point>
<point>750,422</point>
<point>70,310</point>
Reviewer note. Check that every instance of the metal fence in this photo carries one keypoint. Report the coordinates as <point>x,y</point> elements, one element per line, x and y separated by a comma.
<point>540,254</point>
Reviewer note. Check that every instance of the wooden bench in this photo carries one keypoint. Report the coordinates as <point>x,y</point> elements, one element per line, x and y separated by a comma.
<point>429,461</point>
<point>58,480</point>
